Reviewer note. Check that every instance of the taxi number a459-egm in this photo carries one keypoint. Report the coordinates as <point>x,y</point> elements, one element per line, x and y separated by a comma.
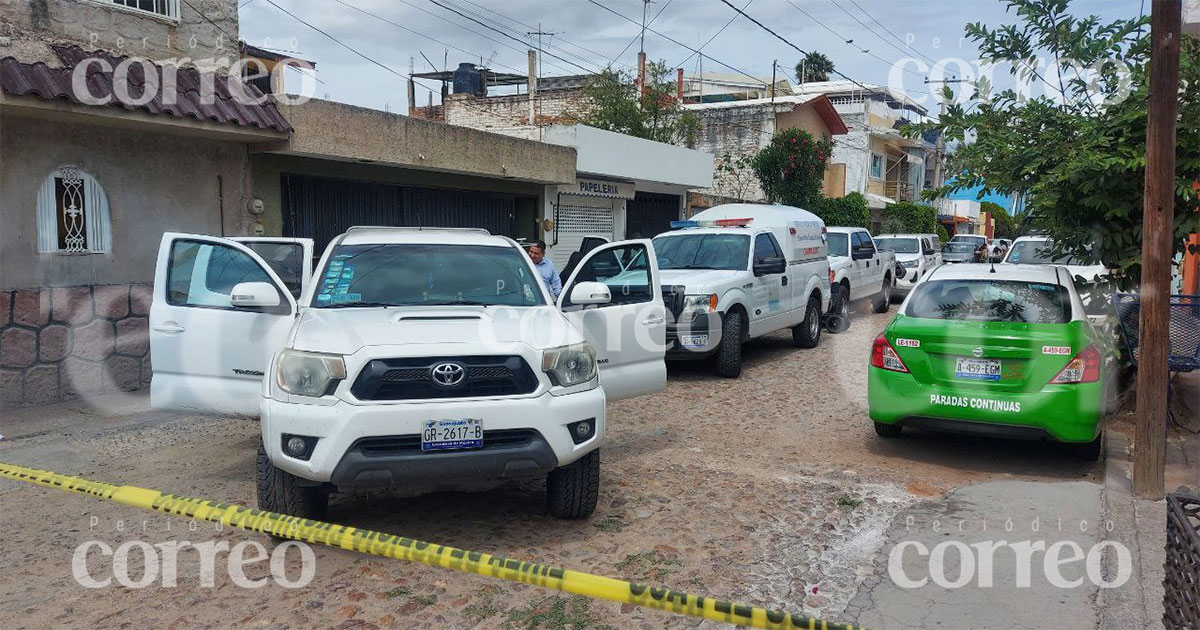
<point>1004,353</point>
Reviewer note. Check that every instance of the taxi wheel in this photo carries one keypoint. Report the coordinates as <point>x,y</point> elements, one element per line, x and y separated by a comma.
<point>282,492</point>
<point>572,490</point>
<point>888,430</point>
<point>729,354</point>
<point>1088,451</point>
<point>807,334</point>
<point>884,303</point>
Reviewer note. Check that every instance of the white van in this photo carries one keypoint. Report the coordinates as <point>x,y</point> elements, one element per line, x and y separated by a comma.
<point>740,271</point>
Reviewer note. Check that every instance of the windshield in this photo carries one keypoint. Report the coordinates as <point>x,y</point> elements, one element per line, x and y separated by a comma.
<point>1037,253</point>
<point>837,244</point>
<point>703,251</point>
<point>899,245</point>
<point>426,275</point>
<point>991,301</point>
<point>960,247</point>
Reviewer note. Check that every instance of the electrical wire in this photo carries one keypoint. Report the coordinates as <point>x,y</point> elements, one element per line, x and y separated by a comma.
<point>699,51</point>
<point>676,42</point>
<point>891,32</point>
<point>846,40</point>
<point>639,36</point>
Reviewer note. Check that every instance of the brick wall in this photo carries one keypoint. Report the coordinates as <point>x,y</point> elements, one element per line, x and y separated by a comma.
<point>551,108</point>
<point>67,343</point>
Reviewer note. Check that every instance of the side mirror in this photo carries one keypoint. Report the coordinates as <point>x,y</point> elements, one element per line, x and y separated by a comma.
<point>860,252</point>
<point>254,295</point>
<point>591,293</point>
<point>771,265</point>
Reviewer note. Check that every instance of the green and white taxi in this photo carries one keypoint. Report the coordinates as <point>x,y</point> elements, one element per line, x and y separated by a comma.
<point>1002,350</point>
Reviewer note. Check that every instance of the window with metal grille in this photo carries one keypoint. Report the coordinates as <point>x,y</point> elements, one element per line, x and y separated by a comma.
<point>165,8</point>
<point>72,214</point>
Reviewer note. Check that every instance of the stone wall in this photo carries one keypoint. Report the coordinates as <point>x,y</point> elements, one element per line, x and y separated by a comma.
<point>550,108</point>
<point>73,342</point>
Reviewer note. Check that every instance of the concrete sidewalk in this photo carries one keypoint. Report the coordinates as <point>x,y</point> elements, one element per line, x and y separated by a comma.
<point>1011,511</point>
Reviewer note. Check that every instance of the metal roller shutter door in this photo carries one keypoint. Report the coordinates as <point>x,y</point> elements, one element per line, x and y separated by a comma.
<point>575,218</point>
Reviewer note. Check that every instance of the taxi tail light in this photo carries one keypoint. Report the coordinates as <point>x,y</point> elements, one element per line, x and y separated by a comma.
<point>884,357</point>
<point>1083,368</point>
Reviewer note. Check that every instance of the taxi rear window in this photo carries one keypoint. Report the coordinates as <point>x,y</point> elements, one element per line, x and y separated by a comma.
<point>991,301</point>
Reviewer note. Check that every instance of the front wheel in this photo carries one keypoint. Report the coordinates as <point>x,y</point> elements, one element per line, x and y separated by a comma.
<point>884,302</point>
<point>839,305</point>
<point>807,334</point>
<point>572,490</point>
<point>282,492</point>
<point>729,354</point>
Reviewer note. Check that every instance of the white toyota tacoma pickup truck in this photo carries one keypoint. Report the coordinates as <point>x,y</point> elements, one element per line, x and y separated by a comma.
<point>859,269</point>
<point>424,360</point>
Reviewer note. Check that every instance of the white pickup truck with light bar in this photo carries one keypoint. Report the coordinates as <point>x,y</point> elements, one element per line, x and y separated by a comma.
<point>421,359</point>
<point>739,271</point>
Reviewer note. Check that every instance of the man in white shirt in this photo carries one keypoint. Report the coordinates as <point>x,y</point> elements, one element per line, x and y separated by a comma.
<point>545,268</point>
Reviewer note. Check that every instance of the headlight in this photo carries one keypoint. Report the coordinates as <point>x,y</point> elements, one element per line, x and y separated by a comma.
<point>910,264</point>
<point>699,304</point>
<point>570,365</point>
<point>308,373</point>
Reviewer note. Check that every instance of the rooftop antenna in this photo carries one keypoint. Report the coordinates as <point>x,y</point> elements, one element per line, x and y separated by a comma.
<point>539,32</point>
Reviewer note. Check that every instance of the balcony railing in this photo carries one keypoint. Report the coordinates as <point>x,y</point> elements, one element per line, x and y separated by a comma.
<point>900,191</point>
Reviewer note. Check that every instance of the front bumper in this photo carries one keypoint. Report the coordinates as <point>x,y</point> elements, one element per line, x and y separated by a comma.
<point>342,430</point>
<point>702,334</point>
<point>1064,413</point>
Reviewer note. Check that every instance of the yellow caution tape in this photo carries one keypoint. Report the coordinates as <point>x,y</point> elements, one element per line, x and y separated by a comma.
<point>389,546</point>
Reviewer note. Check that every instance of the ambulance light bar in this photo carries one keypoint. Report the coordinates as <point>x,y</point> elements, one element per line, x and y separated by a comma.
<point>679,225</point>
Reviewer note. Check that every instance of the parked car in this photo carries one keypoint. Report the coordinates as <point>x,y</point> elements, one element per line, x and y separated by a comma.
<point>1094,282</point>
<point>859,269</point>
<point>1001,351</point>
<point>430,359</point>
<point>740,271</point>
<point>918,254</point>
<point>960,250</point>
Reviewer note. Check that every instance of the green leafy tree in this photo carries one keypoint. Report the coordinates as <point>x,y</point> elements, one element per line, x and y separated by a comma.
<point>614,103</point>
<point>792,168</point>
<point>942,234</point>
<point>814,67</point>
<point>907,217</point>
<point>733,176</point>
<point>1079,152</point>
<point>848,211</point>
<point>1005,226</point>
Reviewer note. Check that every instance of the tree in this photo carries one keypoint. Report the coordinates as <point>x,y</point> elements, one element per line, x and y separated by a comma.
<point>615,104</point>
<point>814,67</point>
<point>906,217</point>
<point>848,211</point>
<point>1005,226</point>
<point>733,175</point>
<point>792,168</point>
<point>1078,153</point>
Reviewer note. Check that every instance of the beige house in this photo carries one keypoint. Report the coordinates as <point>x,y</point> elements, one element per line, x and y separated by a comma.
<point>740,128</point>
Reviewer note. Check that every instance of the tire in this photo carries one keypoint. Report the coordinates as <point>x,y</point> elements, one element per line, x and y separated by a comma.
<point>729,354</point>
<point>888,430</point>
<point>572,490</point>
<point>839,304</point>
<point>1088,451</point>
<point>883,304</point>
<point>281,492</point>
<point>807,334</point>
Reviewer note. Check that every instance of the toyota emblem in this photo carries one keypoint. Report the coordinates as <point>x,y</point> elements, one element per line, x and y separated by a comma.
<point>978,352</point>
<point>448,374</point>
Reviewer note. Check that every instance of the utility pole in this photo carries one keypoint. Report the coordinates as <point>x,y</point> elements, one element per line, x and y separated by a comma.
<point>539,34</point>
<point>645,7</point>
<point>1158,245</point>
<point>774,65</point>
<point>533,86</point>
<point>941,142</point>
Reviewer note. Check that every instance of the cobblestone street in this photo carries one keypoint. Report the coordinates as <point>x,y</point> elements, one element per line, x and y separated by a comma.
<point>771,489</point>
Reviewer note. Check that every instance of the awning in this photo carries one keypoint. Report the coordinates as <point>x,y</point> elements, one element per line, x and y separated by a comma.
<point>878,201</point>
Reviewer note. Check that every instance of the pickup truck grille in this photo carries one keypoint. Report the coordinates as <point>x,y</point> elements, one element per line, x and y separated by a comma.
<point>393,444</point>
<point>412,378</point>
<point>673,299</point>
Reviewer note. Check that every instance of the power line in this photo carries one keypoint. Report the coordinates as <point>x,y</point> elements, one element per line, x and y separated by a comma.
<point>848,41</point>
<point>503,29</point>
<point>891,32</point>
<point>677,42</point>
<point>492,28</point>
<point>710,39</point>
<point>642,34</point>
<point>869,29</point>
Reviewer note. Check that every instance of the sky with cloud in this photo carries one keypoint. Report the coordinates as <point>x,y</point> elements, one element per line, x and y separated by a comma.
<point>389,35</point>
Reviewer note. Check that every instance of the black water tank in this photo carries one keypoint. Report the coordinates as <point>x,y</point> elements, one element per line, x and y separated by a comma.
<point>467,80</point>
